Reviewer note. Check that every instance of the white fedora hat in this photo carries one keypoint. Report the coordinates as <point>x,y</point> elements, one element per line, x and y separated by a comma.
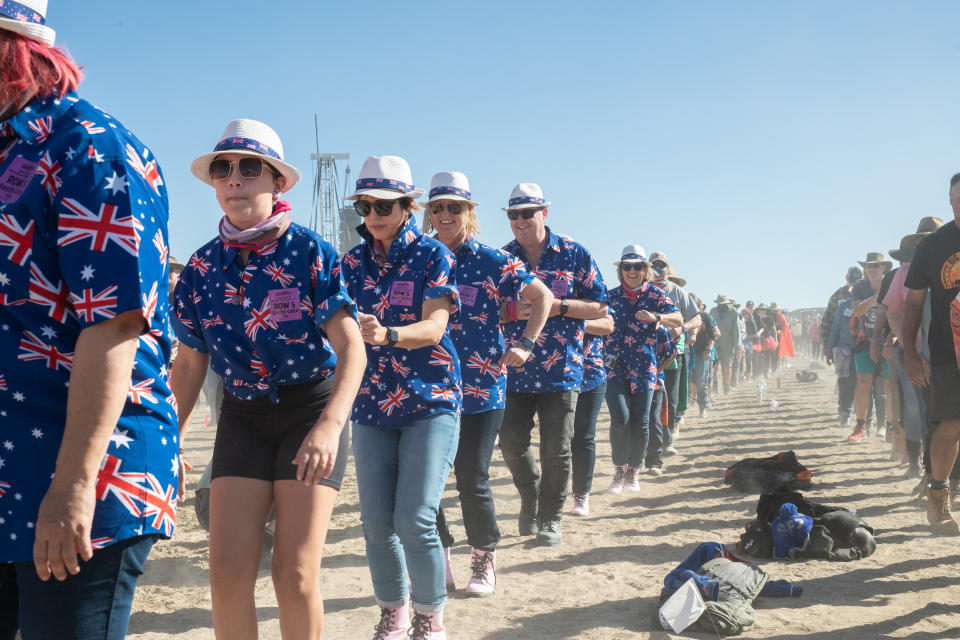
<point>526,195</point>
<point>450,185</point>
<point>249,138</point>
<point>28,18</point>
<point>632,253</point>
<point>386,178</point>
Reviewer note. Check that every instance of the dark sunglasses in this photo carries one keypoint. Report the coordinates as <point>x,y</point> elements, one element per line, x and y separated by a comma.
<point>455,208</point>
<point>382,207</point>
<point>526,214</point>
<point>633,266</point>
<point>246,167</point>
<point>659,264</point>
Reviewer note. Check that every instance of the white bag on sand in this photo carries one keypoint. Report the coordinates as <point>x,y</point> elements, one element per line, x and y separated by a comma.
<point>683,608</point>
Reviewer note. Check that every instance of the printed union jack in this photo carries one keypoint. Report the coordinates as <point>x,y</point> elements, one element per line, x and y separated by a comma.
<point>588,277</point>
<point>199,264</point>
<point>440,281</point>
<point>103,227</point>
<point>301,340</point>
<point>316,268</point>
<point>248,272</point>
<point>229,293</point>
<point>161,505</point>
<point>381,307</point>
<point>148,171</point>
<point>565,275</point>
<point>124,486</point>
<point>552,360</point>
<point>399,367</point>
<point>442,392</point>
<point>259,368</point>
<point>3,383</point>
<point>141,391</point>
<point>161,246</point>
<point>369,284</point>
<point>102,543</point>
<point>268,248</point>
<point>209,323</point>
<point>54,296</point>
<point>149,302</point>
<point>92,127</point>
<point>485,365</point>
<point>307,306</point>
<point>559,337</point>
<point>408,317</point>
<point>260,319</point>
<point>4,487</point>
<point>277,274</point>
<point>351,260</point>
<point>50,171</point>
<point>482,318</point>
<point>87,306</point>
<point>440,357</point>
<point>33,348</point>
<point>394,400</point>
<point>476,391</point>
<point>511,268</point>
<point>43,127</point>
<point>20,238</point>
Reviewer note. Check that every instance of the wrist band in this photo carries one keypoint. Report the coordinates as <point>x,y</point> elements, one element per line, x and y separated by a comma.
<point>512,310</point>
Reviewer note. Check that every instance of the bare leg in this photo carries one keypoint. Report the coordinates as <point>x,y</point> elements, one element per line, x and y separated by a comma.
<point>862,397</point>
<point>943,449</point>
<point>238,513</point>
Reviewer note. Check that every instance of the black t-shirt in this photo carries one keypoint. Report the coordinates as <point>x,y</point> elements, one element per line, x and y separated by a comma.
<point>862,291</point>
<point>705,336</point>
<point>936,265</point>
<point>885,283</point>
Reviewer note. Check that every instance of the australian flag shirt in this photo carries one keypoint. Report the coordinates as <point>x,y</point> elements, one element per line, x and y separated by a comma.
<point>83,239</point>
<point>634,342</point>
<point>401,386</point>
<point>569,271</point>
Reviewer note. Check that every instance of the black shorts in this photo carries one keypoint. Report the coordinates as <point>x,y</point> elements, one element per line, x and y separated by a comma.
<point>944,393</point>
<point>258,439</point>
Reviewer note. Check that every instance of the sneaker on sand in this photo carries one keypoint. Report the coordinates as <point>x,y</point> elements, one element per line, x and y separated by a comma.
<point>581,505</point>
<point>549,534</point>
<point>393,625</point>
<point>655,471</point>
<point>703,413</point>
<point>938,512</point>
<point>859,433</point>
<point>632,481</point>
<point>483,573</point>
<point>616,485</point>
<point>670,450</point>
<point>427,626</point>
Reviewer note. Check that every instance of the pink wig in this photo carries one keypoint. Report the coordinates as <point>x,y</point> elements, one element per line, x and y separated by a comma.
<point>29,68</point>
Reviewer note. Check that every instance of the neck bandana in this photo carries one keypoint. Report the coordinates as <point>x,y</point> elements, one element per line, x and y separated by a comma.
<point>259,234</point>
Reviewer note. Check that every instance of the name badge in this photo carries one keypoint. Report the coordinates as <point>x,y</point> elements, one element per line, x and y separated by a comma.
<point>401,293</point>
<point>285,304</point>
<point>16,178</point>
<point>468,294</point>
<point>560,287</point>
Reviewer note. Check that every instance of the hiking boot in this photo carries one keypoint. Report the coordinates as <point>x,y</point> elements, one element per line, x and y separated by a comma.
<point>528,516</point>
<point>393,625</point>
<point>616,485</point>
<point>670,450</point>
<point>451,583</point>
<point>655,471</point>
<point>938,512</point>
<point>549,534</point>
<point>581,505</point>
<point>483,574</point>
<point>859,433</point>
<point>632,481</point>
<point>427,626</point>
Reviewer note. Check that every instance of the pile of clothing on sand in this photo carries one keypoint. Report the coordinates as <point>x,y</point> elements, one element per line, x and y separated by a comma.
<point>764,475</point>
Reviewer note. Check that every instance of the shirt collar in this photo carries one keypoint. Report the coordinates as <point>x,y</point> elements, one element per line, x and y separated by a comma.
<point>409,233</point>
<point>553,242</point>
<point>45,110</point>
<point>471,244</point>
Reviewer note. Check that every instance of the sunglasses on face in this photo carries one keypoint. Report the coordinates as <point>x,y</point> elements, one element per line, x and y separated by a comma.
<point>455,208</point>
<point>659,264</point>
<point>382,207</point>
<point>246,167</point>
<point>633,266</point>
<point>526,214</point>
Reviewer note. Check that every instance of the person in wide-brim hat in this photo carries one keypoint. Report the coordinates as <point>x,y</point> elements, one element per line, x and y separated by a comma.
<point>526,195</point>
<point>385,178</point>
<point>251,138</point>
<point>875,257</point>
<point>908,243</point>
<point>28,18</point>
<point>674,278</point>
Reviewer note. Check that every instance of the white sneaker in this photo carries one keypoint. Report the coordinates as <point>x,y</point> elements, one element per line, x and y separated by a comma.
<point>655,471</point>
<point>670,450</point>
<point>581,505</point>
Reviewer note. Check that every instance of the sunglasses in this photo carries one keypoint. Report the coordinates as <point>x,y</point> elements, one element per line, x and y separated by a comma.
<point>246,167</point>
<point>659,264</point>
<point>455,208</point>
<point>382,207</point>
<point>526,214</point>
<point>633,266</point>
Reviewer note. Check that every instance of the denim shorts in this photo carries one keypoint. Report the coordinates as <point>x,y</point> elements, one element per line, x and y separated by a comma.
<point>865,364</point>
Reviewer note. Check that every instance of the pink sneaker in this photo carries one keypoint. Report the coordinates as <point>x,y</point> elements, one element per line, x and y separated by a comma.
<point>427,626</point>
<point>451,583</point>
<point>616,485</point>
<point>483,567</point>
<point>632,481</point>
<point>394,623</point>
<point>581,505</point>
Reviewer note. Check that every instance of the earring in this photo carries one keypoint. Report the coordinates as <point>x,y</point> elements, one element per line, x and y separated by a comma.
<point>276,195</point>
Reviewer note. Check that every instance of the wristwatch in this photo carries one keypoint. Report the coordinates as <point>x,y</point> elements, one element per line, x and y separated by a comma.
<point>563,306</point>
<point>393,336</point>
<point>527,343</point>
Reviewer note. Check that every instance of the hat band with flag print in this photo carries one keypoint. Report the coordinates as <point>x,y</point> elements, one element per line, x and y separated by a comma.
<point>246,144</point>
<point>525,199</point>
<point>384,183</point>
<point>448,190</point>
<point>20,12</point>
<point>632,256</point>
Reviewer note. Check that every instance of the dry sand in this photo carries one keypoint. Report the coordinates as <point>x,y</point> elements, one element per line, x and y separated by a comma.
<point>604,581</point>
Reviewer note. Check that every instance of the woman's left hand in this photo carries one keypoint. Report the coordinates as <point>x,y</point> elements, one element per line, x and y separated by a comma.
<point>371,329</point>
<point>318,452</point>
<point>646,316</point>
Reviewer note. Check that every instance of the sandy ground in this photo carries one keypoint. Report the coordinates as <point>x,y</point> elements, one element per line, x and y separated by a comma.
<point>604,581</point>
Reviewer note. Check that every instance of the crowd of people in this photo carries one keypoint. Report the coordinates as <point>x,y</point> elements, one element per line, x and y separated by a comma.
<point>432,346</point>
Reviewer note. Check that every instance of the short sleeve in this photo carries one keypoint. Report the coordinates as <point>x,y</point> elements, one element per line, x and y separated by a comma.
<point>664,305</point>
<point>685,304</point>
<point>111,243</point>
<point>895,294</point>
<point>184,319</point>
<point>590,285</point>
<point>329,291</point>
<point>919,276</point>
<point>514,276</point>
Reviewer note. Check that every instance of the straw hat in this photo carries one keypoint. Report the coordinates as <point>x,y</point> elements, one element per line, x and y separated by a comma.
<point>249,138</point>
<point>385,178</point>
<point>908,243</point>
<point>526,195</point>
<point>28,18</point>
<point>632,253</point>
<point>450,185</point>
<point>722,299</point>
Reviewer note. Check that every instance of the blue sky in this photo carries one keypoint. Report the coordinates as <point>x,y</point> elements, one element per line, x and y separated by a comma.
<point>764,146</point>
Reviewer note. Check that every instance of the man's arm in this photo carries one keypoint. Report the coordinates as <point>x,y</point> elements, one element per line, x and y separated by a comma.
<point>918,369</point>
<point>579,309</point>
<point>599,326</point>
<point>99,381</point>
<point>863,306</point>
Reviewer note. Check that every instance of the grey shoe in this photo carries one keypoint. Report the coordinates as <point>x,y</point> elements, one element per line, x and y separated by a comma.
<point>549,534</point>
<point>670,450</point>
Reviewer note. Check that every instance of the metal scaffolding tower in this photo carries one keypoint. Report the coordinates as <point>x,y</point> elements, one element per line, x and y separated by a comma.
<point>331,218</point>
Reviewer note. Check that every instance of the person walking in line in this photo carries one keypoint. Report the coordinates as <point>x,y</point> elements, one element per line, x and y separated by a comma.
<point>547,384</point>
<point>484,357</point>
<point>728,343</point>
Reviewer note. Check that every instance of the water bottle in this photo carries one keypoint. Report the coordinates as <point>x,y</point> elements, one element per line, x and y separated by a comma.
<point>760,389</point>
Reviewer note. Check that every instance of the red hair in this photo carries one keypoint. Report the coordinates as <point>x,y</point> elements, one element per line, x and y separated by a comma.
<point>29,67</point>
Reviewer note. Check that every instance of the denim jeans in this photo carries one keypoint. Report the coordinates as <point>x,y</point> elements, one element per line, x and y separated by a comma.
<point>401,475</point>
<point>629,423</point>
<point>555,411</point>
<point>671,382</point>
<point>657,430</point>
<point>846,390</point>
<point>584,444</point>
<point>478,436</point>
<point>701,378</point>
<point>914,411</point>
<point>91,605</point>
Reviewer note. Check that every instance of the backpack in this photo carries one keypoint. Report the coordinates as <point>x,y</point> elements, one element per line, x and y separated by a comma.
<point>740,583</point>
